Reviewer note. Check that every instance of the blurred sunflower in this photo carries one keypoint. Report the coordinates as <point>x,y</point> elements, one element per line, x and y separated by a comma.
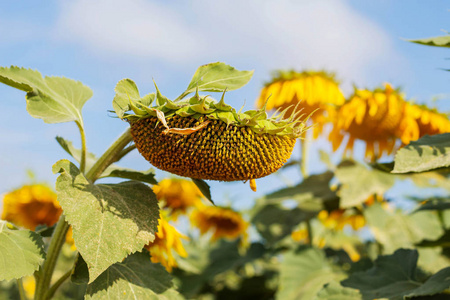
<point>29,286</point>
<point>166,239</point>
<point>30,206</point>
<point>177,195</point>
<point>337,219</point>
<point>421,120</point>
<point>312,91</point>
<point>225,222</point>
<point>373,117</point>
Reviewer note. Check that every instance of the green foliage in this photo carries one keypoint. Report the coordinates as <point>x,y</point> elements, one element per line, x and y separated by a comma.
<point>22,251</point>
<point>438,41</point>
<point>218,77</point>
<point>359,183</point>
<point>303,273</point>
<point>395,230</point>
<point>134,278</point>
<point>334,291</point>
<point>275,223</point>
<point>204,188</point>
<point>109,221</point>
<point>53,99</point>
<point>427,153</point>
<point>396,277</point>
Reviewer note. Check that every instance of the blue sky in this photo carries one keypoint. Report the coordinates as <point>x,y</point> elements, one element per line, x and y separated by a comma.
<point>101,42</point>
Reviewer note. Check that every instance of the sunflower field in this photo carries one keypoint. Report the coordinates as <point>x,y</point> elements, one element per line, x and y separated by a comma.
<point>105,231</point>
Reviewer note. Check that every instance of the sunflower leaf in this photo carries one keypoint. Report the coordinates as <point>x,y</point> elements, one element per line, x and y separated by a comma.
<point>218,77</point>
<point>359,183</point>
<point>109,221</point>
<point>437,41</point>
<point>134,278</point>
<point>427,153</point>
<point>22,252</point>
<point>204,188</point>
<point>303,273</point>
<point>335,291</point>
<point>52,99</point>
<point>126,91</point>
<point>395,277</point>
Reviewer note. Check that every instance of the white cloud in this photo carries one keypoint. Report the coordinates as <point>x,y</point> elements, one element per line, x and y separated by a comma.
<point>269,34</point>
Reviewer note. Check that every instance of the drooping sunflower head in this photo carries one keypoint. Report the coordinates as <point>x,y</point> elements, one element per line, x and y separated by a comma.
<point>223,222</point>
<point>317,94</point>
<point>370,116</point>
<point>30,206</point>
<point>177,195</point>
<point>420,120</point>
<point>167,239</point>
<point>203,138</point>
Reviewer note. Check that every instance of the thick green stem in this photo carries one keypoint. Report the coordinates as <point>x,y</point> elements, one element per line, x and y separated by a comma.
<point>83,147</point>
<point>59,235</point>
<point>57,284</point>
<point>58,238</point>
<point>304,154</point>
<point>21,289</point>
<point>109,156</point>
<point>309,230</point>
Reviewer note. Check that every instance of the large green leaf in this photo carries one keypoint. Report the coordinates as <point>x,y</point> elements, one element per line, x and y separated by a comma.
<point>21,252</point>
<point>395,277</point>
<point>427,153</point>
<point>53,99</point>
<point>359,183</point>
<point>127,90</point>
<point>218,77</point>
<point>335,291</point>
<point>113,170</point>
<point>109,221</point>
<point>303,274</point>
<point>275,223</point>
<point>395,229</point>
<point>438,41</point>
<point>134,278</point>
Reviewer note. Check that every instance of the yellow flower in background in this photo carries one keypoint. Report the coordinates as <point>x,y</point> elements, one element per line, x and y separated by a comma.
<point>421,120</point>
<point>69,239</point>
<point>167,239</point>
<point>30,206</point>
<point>178,195</point>
<point>373,117</point>
<point>337,219</point>
<point>316,92</point>
<point>224,222</point>
<point>300,235</point>
<point>29,286</point>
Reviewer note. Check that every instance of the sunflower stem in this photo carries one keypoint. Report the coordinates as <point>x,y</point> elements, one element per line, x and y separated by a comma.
<point>83,147</point>
<point>111,155</point>
<point>57,241</point>
<point>309,230</point>
<point>22,294</point>
<point>57,284</point>
<point>304,153</point>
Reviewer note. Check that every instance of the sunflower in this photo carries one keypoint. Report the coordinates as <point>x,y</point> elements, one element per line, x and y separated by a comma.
<point>337,219</point>
<point>177,195</point>
<point>30,206</point>
<point>421,120</point>
<point>373,117</point>
<point>166,239</point>
<point>224,222</point>
<point>316,93</point>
